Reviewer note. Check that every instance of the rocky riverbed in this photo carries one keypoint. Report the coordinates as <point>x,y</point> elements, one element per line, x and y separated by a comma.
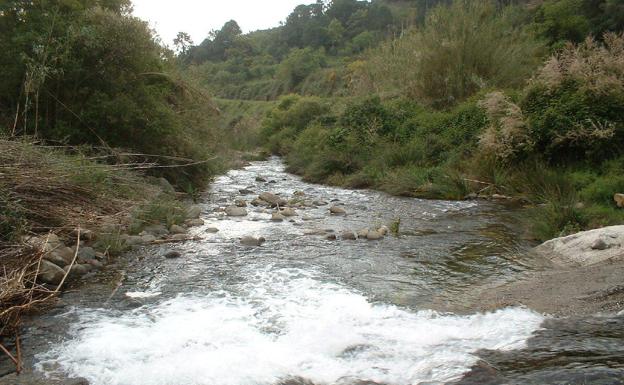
<point>284,282</point>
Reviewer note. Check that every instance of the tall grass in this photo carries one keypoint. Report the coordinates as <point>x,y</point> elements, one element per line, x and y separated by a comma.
<point>462,48</point>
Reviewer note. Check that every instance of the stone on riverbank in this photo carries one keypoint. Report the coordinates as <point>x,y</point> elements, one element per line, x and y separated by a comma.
<point>234,211</point>
<point>193,212</point>
<point>194,222</point>
<point>175,229</point>
<point>586,248</point>
<point>50,273</point>
<point>337,210</point>
<point>619,200</point>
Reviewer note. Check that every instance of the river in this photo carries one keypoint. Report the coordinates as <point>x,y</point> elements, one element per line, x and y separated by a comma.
<point>302,309</point>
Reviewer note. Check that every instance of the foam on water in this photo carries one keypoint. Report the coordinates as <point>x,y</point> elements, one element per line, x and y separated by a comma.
<point>280,324</point>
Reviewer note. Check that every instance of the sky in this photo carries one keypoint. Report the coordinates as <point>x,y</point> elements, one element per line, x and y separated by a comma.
<point>197,17</point>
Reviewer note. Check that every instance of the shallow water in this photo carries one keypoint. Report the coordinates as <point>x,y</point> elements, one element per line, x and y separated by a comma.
<point>304,309</point>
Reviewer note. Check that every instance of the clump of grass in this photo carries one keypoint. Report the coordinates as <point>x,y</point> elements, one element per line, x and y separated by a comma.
<point>163,209</point>
<point>395,227</point>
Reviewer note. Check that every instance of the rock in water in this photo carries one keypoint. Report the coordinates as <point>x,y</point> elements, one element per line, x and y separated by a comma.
<point>619,200</point>
<point>234,211</point>
<point>277,217</point>
<point>252,241</point>
<point>260,179</point>
<point>586,248</point>
<point>194,222</point>
<point>348,235</point>
<point>272,199</point>
<point>240,203</point>
<point>363,233</point>
<point>212,230</point>
<point>374,236</point>
<point>246,191</point>
<point>50,273</point>
<point>337,210</point>
<point>288,212</point>
<point>172,254</point>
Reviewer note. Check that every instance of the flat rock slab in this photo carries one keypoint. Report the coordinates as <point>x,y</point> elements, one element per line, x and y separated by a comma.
<point>586,248</point>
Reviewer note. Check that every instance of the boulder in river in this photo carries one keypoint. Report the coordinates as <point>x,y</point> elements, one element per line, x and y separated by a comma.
<point>277,217</point>
<point>252,241</point>
<point>363,233</point>
<point>374,235</point>
<point>384,230</point>
<point>272,199</point>
<point>212,230</point>
<point>348,235</point>
<point>337,210</point>
<point>234,211</point>
<point>260,179</point>
<point>587,247</point>
<point>288,212</point>
<point>246,191</point>
<point>172,254</point>
<point>240,203</point>
<point>331,237</point>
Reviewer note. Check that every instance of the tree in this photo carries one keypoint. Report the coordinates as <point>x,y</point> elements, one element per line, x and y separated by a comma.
<point>183,43</point>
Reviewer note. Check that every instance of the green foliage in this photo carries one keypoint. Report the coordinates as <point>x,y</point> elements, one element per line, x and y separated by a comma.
<point>89,73</point>
<point>575,106</point>
<point>460,50</point>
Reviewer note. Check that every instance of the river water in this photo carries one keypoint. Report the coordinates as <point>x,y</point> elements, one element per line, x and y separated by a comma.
<point>302,309</point>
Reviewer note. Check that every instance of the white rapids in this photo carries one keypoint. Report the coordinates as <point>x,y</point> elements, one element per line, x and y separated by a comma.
<point>281,324</point>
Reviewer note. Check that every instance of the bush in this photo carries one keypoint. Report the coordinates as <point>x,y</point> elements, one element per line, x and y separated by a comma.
<point>575,106</point>
<point>460,50</point>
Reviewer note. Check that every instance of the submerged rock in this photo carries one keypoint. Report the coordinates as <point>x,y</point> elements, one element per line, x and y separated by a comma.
<point>212,230</point>
<point>586,248</point>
